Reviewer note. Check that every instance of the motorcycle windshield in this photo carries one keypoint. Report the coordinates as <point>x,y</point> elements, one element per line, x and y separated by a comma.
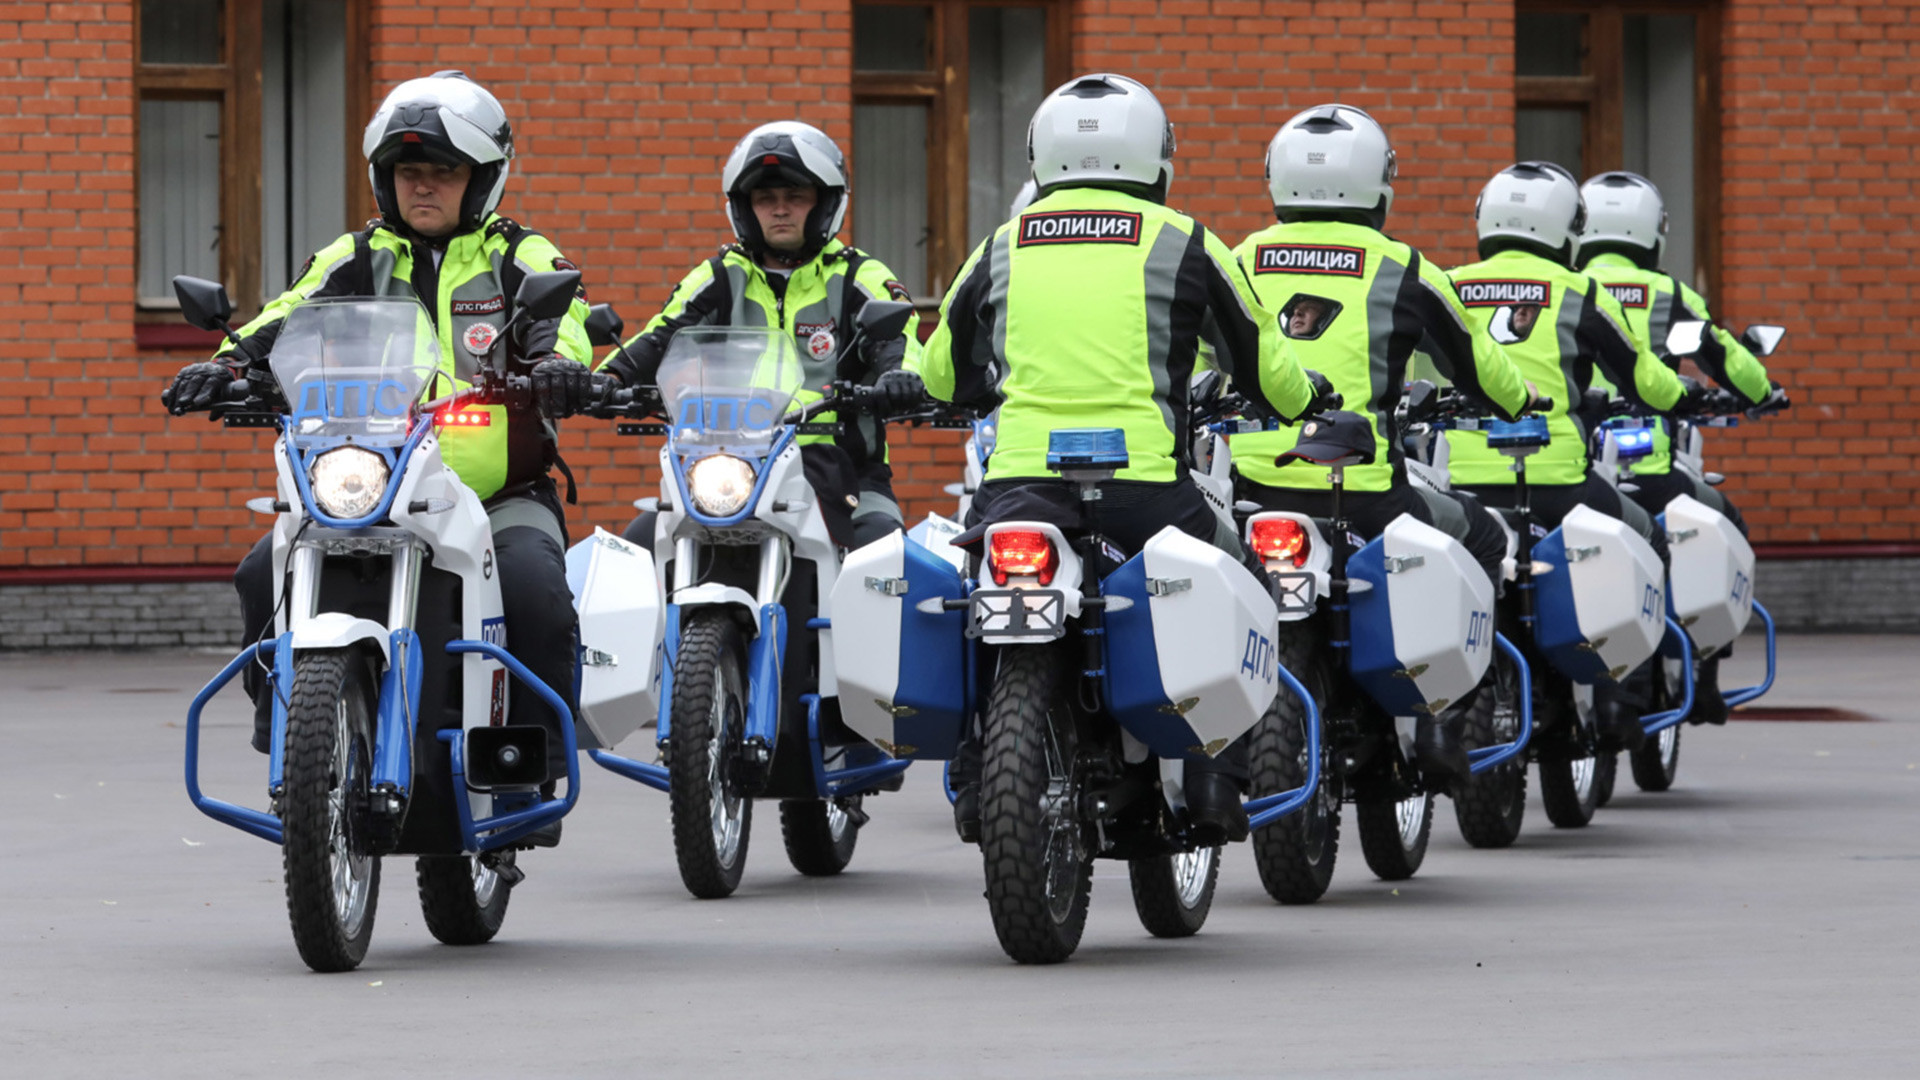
<point>727,388</point>
<point>352,368</point>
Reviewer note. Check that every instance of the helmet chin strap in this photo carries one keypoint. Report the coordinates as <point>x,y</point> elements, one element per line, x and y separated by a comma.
<point>788,260</point>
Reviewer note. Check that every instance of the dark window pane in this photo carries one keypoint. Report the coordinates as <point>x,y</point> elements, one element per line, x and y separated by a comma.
<point>180,31</point>
<point>303,132</point>
<point>887,38</point>
<point>1006,77</point>
<point>1549,44</point>
<point>179,195</point>
<point>890,189</point>
<point>1550,135</point>
<point>1657,132</point>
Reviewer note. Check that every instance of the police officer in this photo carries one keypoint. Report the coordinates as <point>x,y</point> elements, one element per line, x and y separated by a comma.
<point>1622,245</point>
<point>438,154</point>
<point>786,187</point>
<point>1356,305</point>
<point>1626,235</point>
<point>1087,310</point>
<point>1557,325</point>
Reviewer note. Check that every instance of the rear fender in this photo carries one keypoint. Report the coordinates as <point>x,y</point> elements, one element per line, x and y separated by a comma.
<point>1295,604</point>
<point>1066,580</point>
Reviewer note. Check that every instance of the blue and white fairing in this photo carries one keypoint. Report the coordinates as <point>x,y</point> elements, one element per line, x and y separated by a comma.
<point>906,680</point>
<point>1422,618</point>
<point>1190,659</point>
<point>1600,597</point>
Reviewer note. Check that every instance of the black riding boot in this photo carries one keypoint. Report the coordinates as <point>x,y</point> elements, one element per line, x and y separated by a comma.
<point>1440,752</point>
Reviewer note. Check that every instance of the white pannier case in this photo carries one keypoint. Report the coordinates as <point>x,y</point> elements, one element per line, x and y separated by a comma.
<point>902,659</point>
<point>1190,657</point>
<point>1712,578</point>
<point>622,619</point>
<point>1423,619</point>
<point>1602,600</point>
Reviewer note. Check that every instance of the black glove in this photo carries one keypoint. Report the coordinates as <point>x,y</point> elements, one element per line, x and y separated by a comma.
<point>198,386</point>
<point>1693,396</point>
<point>1325,397</point>
<point>561,387</point>
<point>901,390</point>
<point>1775,401</point>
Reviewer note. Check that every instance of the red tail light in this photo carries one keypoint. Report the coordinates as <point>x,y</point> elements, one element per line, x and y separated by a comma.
<point>1281,538</point>
<point>463,418</point>
<point>1021,553</point>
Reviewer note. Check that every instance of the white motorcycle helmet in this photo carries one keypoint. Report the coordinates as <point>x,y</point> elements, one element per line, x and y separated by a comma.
<point>1331,159</point>
<point>791,153</point>
<point>1101,129</point>
<point>448,119</point>
<point>1536,203</point>
<point>1626,214</point>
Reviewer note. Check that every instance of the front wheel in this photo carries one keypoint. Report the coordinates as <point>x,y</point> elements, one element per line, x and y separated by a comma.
<point>819,834</point>
<point>1039,875</point>
<point>1394,835</point>
<point>1570,788</point>
<point>1606,769</point>
<point>1491,805</point>
<point>1658,759</point>
<point>1173,893</point>
<point>711,819</point>
<point>333,881</point>
<point>1295,854</point>
<point>1656,762</point>
<point>464,897</point>
<point>1570,773</point>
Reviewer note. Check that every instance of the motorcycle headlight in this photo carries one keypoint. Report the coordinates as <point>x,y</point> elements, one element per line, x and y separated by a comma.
<point>348,481</point>
<point>720,485</point>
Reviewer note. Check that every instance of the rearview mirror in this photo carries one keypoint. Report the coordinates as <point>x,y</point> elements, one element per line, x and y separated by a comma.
<point>546,295</point>
<point>1763,339</point>
<point>883,319</point>
<point>603,326</point>
<point>1205,388</point>
<point>1420,398</point>
<point>203,303</point>
<point>1686,337</point>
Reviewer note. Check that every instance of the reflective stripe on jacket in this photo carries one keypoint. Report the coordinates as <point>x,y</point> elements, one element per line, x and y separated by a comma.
<point>1654,301</point>
<point>1087,311</point>
<point>469,285</point>
<point>1557,325</point>
<point>1364,302</point>
<point>816,303</point>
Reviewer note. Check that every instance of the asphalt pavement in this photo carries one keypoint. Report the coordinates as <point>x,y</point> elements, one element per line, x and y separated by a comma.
<point>1759,920</point>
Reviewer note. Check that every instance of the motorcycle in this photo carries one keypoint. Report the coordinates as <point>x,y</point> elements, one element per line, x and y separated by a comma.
<point>1095,679</point>
<point>390,734</point>
<point>1712,572</point>
<point>1588,606</point>
<point>748,707</point>
<point>1382,633</point>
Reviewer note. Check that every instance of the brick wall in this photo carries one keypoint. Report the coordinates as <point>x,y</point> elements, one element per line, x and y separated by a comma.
<point>1438,75</point>
<point>624,111</point>
<point>622,114</point>
<point>1819,225</point>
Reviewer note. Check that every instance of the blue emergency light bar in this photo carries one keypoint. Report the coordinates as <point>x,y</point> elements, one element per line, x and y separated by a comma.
<point>1080,448</point>
<point>1633,443</point>
<point>1528,431</point>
